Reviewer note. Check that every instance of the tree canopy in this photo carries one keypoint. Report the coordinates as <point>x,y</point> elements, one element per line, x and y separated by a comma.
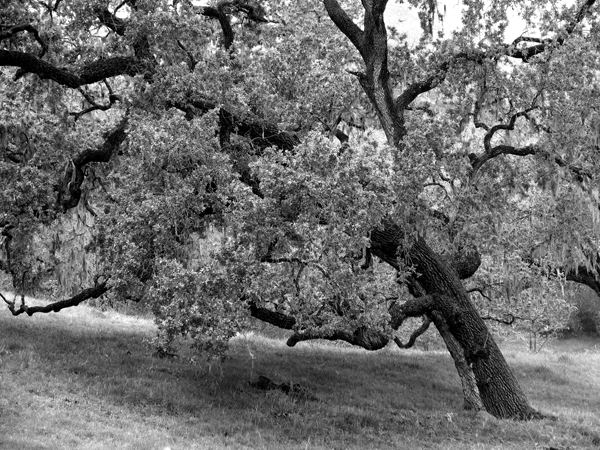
<point>319,141</point>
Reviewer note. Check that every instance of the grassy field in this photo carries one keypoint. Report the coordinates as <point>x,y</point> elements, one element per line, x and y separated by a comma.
<point>85,379</point>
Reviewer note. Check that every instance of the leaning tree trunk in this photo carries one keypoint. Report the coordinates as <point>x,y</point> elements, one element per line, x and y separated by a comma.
<point>500,392</point>
<point>499,389</point>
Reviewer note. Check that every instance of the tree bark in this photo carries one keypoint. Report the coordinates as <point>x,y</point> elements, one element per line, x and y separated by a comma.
<point>500,392</point>
<point>472,399</point>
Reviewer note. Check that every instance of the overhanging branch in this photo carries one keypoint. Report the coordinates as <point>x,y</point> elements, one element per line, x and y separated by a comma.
<point>73,78</point>
<point>84,295</point>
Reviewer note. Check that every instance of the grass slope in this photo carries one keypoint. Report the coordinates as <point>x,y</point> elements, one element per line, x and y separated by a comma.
<point>85,379</point>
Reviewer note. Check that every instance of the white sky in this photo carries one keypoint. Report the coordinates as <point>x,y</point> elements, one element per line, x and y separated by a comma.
<point>405,18</point>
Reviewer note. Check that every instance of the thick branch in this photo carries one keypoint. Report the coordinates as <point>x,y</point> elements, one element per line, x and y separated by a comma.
<point>415,89</point>
<point>262,134</point>
<point>415,307</point>
<point>509,319</point>
<point>386,240</point>
<point>84,295</point>
<point>90,73</point>
<point>362,337</point>
<point>111,21</point>
<point>278,319</point>
<point>69,188</point>
<point>220,12</point>
<point>345,24</point>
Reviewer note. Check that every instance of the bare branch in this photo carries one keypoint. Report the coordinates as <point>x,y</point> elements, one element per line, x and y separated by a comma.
<point>415,89</point>
<point>192,61</point>
<point>510,126</point>
<point>112,98</point>
<point>84,295</point>
<point>578,173</point>
<point>480,292</point>
<point>413,337</point>
<point>90,73</point>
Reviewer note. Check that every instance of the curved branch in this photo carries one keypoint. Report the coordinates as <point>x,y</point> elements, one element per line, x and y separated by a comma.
<point>366,338</point>
<point>192,61</point>
<point>84,295</point>
<point>112,98</point>
<point>480,292</point>
<point>90,73</point>
<point>510,126</point>
<point>578,173</point>
<point>10,32</point>
<point>69,188</point>
<point>413,337</point>
<point>415,307</point>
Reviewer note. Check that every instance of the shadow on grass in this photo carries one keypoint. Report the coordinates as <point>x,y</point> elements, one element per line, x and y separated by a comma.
<point>371,400</point>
